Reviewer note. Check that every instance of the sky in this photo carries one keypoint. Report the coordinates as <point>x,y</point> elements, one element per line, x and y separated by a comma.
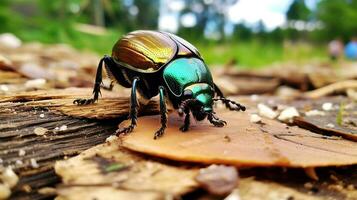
<point>271,12</point>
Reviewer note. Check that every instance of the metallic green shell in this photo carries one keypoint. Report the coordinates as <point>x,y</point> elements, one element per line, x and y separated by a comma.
<point>148,51</point>
<point>203,92</point>
<point>183,72</point>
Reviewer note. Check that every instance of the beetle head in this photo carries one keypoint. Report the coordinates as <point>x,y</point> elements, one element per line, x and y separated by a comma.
<point>198,99</point>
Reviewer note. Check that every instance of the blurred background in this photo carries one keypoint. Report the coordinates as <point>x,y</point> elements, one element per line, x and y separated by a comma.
<point>251,33</point>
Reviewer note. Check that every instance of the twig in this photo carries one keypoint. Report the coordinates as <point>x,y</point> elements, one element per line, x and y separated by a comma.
<point>334,87</point>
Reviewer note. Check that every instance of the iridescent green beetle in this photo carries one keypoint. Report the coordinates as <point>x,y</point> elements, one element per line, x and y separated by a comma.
<point>160,63</point>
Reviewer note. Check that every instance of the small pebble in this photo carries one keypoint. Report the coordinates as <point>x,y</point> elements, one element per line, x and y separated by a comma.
<point>327,106</point>
<point>10,40</point>
<point>34,163</point>
<point>22,152</point>
<point>8,177</point>
<point>35,84</point>
<point>254,118</point>
<point>350,187</point>
<point>4,88</point>
<point>42,115</point>
<point>308,185</point>
<point>338,188</point>
<point>63,128</point>
<point>330,125</point>
<point>19,162</point>
<point>5,191</point>
<point>111,138</point>
<point>40,131</point>
<point>218,179</point>
<point>288,114</point>
<point>266,111</point>
<point>254,97</point>
<point>315,113</point>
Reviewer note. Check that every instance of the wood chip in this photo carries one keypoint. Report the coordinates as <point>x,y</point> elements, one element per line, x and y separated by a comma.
<point>251,144</point>
<point>253,189</point>
<point>110,106</point>
<point>83,176</point>
<point>40,131</point>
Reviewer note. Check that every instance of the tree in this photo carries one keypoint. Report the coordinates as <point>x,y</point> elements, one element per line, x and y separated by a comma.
<point>242,32</point>
<point>211,17</point>
<point>338,18</point>
<point>297,14</point>
<point>298,11</point>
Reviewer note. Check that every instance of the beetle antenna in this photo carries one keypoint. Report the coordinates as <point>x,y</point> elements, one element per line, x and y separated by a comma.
<point>184,105</point>
<point>229,104</point>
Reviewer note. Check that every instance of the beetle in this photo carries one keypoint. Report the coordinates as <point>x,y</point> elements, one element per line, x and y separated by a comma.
<point>160,63</point>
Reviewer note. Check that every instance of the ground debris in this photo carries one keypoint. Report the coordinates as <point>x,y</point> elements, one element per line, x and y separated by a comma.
<point>8,180</point>
<point>32,156</point>
<point>83,175</point>
<point>40,131</point>
<point>218,179</point>
<point>61,102</point>
<point>337,118</point>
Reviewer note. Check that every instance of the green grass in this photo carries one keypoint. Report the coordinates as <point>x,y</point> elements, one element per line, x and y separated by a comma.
<point>101,44</point>
<point>249,54</point>
<point>255,54</point>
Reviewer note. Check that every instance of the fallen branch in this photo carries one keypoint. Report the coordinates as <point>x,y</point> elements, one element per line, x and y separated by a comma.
<point>329,89</point>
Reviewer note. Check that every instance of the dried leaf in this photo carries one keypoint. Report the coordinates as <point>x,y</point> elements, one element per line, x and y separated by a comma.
<point>268,144</point>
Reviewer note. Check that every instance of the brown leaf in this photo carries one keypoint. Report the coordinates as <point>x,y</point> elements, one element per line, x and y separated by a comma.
<point>268,144</point>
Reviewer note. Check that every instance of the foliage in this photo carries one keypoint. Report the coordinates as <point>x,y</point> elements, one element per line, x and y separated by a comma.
<point>338,17</point>
<point>256,53</point>
<point>55,22</point>
<point>298,11</point>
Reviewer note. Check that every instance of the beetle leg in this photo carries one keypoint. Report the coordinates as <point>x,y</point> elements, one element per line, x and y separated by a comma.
<point>163,112</point>
<point>215,120</point>
<point>133,115</point>
<point>96,89</point>
<point>236,106</point>
<point>110,87</point>
<point>186,124</point>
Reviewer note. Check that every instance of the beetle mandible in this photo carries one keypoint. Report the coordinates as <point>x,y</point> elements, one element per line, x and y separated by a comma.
<point>160,63</point>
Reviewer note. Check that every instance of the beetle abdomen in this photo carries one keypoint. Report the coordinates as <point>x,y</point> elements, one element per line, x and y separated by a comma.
<point>147,86</point>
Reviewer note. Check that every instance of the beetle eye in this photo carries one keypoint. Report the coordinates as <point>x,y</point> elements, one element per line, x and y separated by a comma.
<point>188,94</point>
